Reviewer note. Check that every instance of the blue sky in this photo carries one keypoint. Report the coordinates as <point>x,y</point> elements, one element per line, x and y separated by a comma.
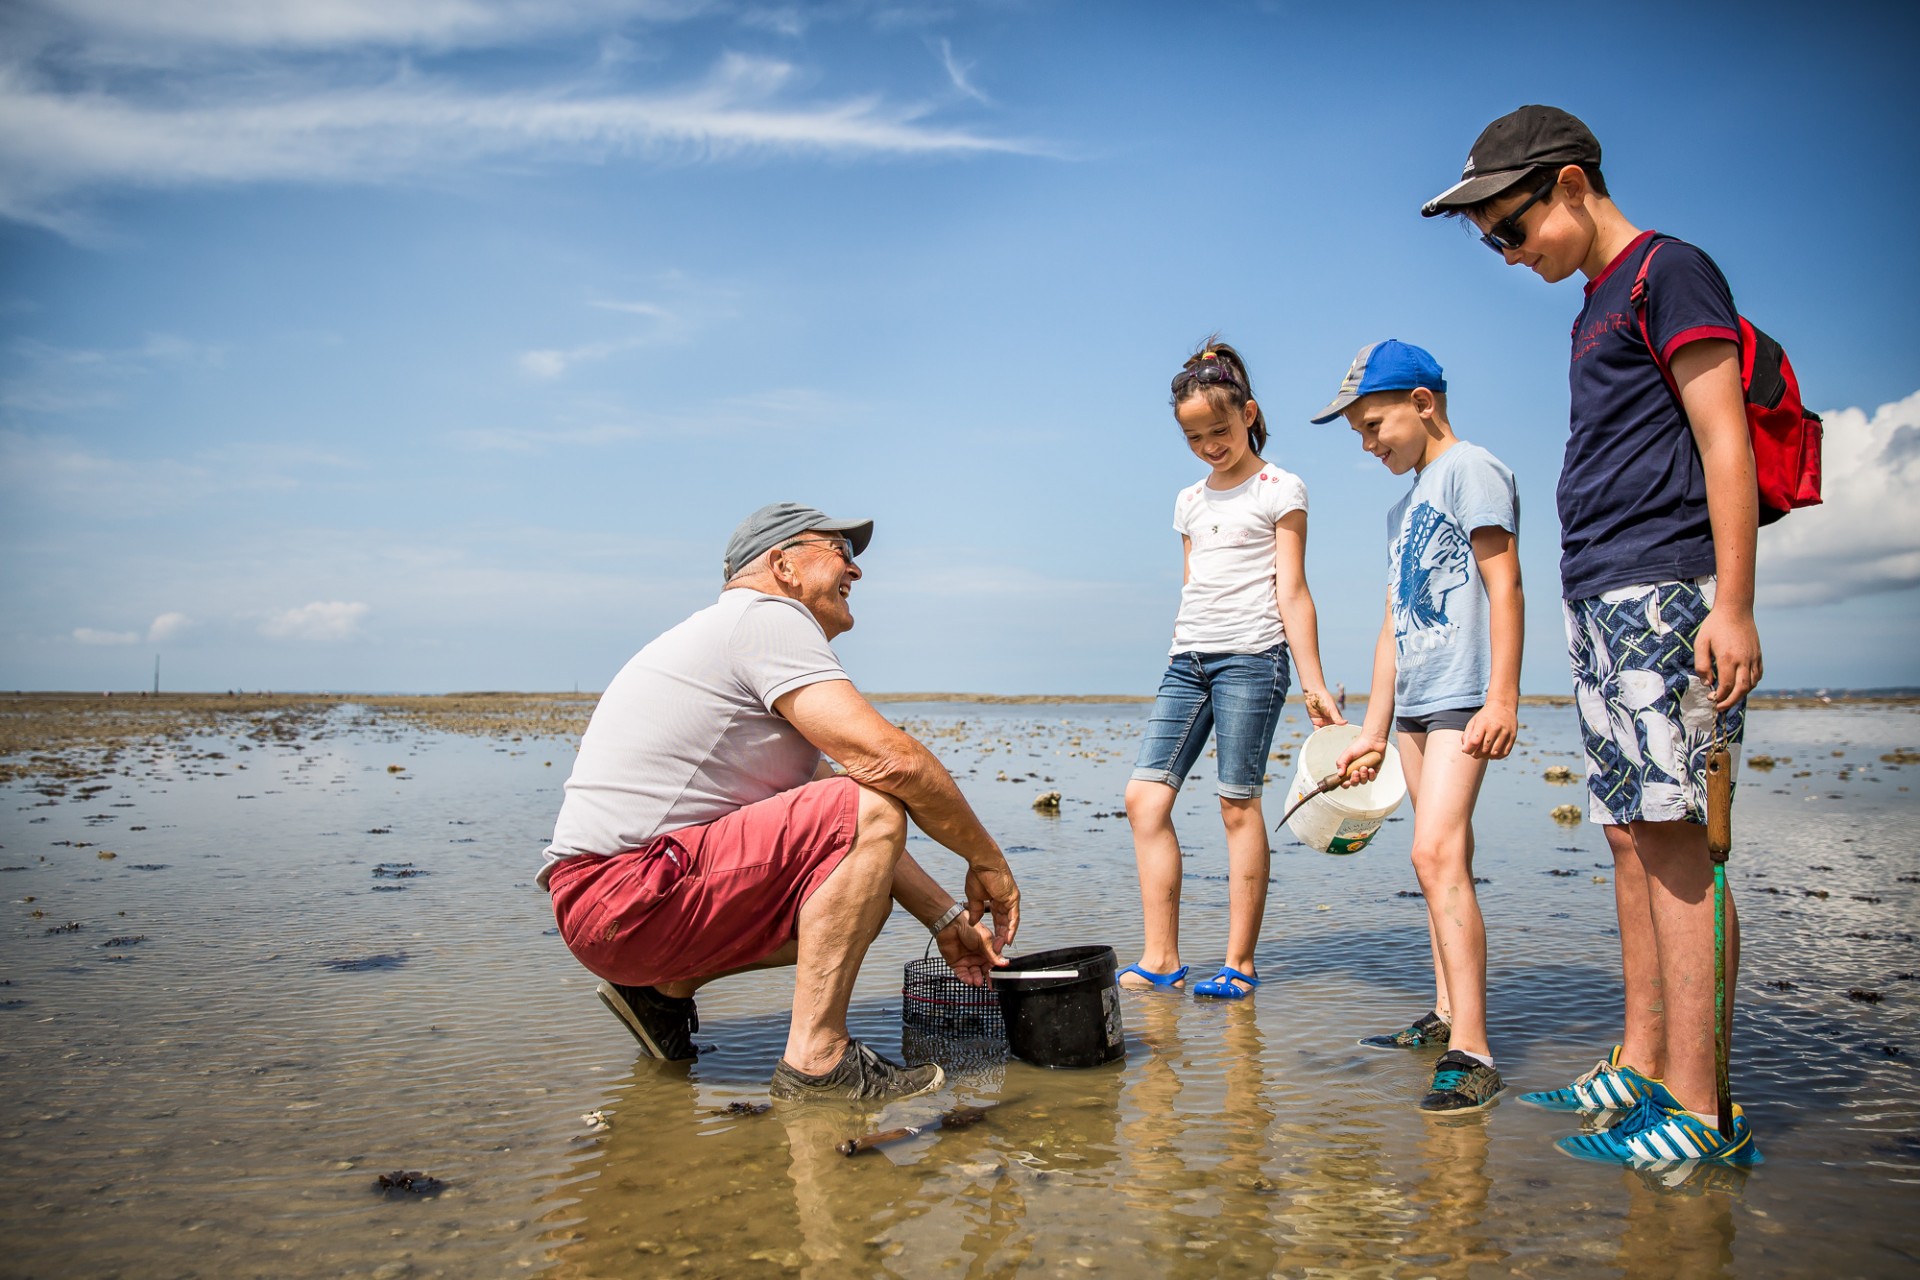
<point>439,344</point>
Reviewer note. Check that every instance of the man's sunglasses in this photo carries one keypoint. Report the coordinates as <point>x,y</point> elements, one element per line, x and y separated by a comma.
<point>1506,233</point>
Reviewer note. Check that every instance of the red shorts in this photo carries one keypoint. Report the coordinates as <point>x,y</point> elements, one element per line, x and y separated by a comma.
<point>705,900</point>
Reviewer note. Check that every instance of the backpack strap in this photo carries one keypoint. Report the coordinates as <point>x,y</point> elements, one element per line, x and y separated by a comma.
<point>1637,299</point>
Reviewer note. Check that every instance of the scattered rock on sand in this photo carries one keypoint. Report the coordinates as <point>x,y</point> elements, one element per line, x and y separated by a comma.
<point>408,1182</point>
<point>1567,815</point>
<point>1047,802</point>
<point>1558,774</point>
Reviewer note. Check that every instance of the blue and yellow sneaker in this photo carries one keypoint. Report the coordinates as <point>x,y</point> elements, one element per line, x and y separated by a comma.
<point>1653,1137</point>
<point>1608,1087</point>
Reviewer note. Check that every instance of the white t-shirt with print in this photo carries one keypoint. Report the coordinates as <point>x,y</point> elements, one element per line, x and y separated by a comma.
<point>1228,605</point>
<point>687,731</point>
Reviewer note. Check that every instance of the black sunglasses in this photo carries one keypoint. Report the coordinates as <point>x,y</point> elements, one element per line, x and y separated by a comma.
<point>1209,373</point>
<point>1506,233</point>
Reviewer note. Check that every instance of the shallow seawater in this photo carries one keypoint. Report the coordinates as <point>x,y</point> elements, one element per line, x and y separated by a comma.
<point>299,974</point>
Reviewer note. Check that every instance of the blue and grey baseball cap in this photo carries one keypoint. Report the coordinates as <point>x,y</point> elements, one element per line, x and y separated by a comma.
<point>773,524</point>
<point>1392,365</point>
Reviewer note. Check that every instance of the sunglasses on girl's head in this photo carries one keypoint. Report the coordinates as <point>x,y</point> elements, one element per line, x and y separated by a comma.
<point>1211,373</point>
<point>1506,233</point>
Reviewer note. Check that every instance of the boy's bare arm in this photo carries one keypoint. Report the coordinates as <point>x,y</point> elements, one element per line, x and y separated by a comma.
<point>1298,616</point>
<point>1727,648</point>
<point>1491,733</point>
<point>1373,731</point>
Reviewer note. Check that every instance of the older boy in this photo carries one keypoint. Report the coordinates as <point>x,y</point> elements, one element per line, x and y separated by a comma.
<point>1446,674</point>
<point>1657,512</point>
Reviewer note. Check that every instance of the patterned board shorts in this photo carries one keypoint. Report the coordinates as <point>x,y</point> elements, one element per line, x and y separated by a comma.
<point>1646,719</point>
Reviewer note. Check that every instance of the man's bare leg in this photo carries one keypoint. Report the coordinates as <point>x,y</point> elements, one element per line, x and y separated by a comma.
<point>838,922</point>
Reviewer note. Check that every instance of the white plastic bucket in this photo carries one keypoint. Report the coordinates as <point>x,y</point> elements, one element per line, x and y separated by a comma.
<point>1343,819</point>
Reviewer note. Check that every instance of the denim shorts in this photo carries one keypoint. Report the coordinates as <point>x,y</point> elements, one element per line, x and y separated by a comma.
<point>1236,696</point>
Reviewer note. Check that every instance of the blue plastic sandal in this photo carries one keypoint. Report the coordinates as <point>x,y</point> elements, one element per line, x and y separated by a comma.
<point>1220,985</point>
<point>1156,979</point>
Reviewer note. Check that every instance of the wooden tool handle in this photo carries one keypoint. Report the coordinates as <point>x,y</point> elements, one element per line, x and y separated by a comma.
<point>1719,803</point>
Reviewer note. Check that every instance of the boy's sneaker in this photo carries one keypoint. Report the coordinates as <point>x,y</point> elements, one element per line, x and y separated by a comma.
<point>1608,1087</point>
<point>664,1025</point>
<point>1658,1138</point>
<point>1461,1083</point>
<point>860,1075</point>
<point>1428,1029</point>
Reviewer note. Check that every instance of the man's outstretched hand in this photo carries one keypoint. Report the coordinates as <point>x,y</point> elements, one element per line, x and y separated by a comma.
<point>969,951</point>
<point>991,890</point>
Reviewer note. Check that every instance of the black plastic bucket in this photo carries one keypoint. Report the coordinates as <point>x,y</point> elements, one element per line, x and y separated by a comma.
<point>1068,1020</point>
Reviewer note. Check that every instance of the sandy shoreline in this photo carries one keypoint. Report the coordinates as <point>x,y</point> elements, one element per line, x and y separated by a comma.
<point>41,733</point>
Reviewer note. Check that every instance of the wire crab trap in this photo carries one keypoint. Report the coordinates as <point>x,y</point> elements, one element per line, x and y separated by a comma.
<point>936,1005</point>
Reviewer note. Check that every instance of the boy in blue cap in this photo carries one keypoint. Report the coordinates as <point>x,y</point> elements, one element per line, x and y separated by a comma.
<point>1446,675</point>
<point>1658,512</point>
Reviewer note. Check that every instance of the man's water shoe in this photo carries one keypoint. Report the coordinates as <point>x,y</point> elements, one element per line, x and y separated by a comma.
<point>1654,1138</point>
<point>1608,1087</point>
<point>1222,985</point>
<point>1153,979</point>
<point>861,1075</point>
<point>1427,1030</point>
<point>1461,1083</point>
<point>664,1025</point>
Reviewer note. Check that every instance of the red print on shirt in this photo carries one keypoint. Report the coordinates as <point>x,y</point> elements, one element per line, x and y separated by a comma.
<point>1585,340</point>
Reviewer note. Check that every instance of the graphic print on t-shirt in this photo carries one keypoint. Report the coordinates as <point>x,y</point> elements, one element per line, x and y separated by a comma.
<point>1432,556</point>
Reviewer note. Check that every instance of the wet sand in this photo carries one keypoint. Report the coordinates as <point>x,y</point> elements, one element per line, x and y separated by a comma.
<point>316,956</point>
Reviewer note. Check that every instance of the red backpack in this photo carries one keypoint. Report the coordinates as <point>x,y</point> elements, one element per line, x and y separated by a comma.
<point>1786,435</point>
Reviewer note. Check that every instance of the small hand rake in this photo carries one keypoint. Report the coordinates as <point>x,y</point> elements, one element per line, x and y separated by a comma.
<point>1369,760</point>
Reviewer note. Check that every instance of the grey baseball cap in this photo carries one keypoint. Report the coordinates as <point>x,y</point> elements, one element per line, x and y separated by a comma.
<point>775,523</point>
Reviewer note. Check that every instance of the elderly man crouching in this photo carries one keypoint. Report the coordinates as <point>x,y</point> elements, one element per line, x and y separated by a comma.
<point>703,833</point>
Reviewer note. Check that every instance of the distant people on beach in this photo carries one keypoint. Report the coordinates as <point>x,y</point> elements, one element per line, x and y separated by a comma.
<point>1658,511</point>
<point>1446,678</point>
<point>1244,611</point>
<point>705,832</point>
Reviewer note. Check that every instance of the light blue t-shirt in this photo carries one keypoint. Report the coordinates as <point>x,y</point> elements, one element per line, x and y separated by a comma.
<point>1443,657</point>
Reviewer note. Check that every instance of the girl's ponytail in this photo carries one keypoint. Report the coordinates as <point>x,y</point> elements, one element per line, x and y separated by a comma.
<point>1216,371</point>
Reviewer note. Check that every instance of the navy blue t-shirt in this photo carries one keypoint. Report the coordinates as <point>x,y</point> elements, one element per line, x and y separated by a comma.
<point>1633,494</point>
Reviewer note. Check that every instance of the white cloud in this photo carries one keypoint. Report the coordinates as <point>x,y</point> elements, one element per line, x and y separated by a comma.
<point>60,143</point>
<point>552,363</point>
<point>88,635</point>
<point>168,626</point>
<point>320,24</point>
<point>324,620</point>
<point>957,72</point>
<point>1865,537</point>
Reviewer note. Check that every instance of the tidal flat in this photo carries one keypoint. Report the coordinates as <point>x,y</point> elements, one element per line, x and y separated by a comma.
<point>259,952</point>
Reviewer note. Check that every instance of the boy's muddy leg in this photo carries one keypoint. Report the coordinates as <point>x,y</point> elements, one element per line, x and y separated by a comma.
<point>1156,852</point>
<point>1443,859</point>
<point>1249,863</point>
<point>1680,891</point>
<point>1643,1041</point>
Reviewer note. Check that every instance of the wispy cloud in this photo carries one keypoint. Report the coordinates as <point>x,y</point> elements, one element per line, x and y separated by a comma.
<point>1865,538</point>
<point>65,137</point>
<point>88,635</point>
<point>323,620</point>
<point>957,72</point>
<point>334,24</point>
<point>776,410</point>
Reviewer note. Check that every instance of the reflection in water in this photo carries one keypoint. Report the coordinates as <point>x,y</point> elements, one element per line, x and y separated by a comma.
<point>230,1120</point>
<point>1448,1237</point>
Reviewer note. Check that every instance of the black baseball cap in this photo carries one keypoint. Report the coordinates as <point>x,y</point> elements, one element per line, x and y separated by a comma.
<point>1534,137</point>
